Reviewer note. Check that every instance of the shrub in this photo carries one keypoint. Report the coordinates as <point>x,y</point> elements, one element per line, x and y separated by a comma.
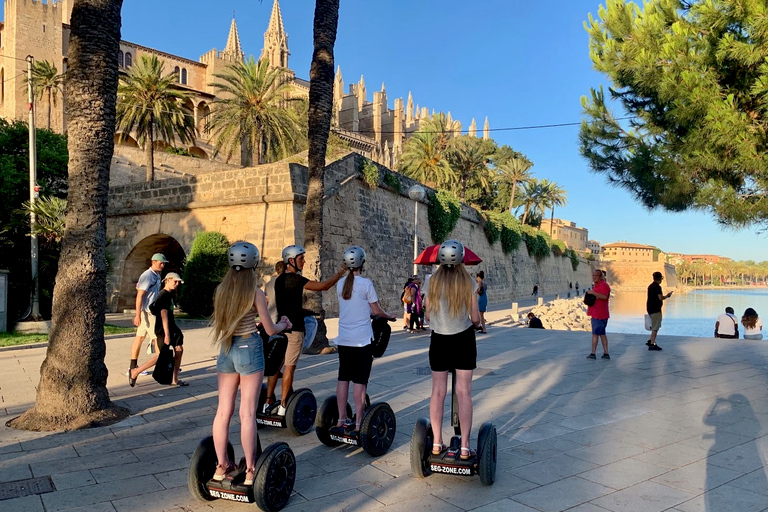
<point>204,269</point>
<point>392,181</point>
<point>178,151</point>
<point>443,213</point>
<point>511,233</point>
<point>574,258</point>
<point>370,173</point>
<point>536,242</point>
<point>493,226</point>
<point>559,248</point>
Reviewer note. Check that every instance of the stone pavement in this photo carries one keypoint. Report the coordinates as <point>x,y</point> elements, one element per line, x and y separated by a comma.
<point>683,430</point>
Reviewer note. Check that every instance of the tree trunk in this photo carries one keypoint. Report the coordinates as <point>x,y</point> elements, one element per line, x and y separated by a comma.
<point>551,221</point>
<point>49,109</point>
<point>149,150</point>
<point>72,392</point>
<point>321,75</point>
<point>512,199</point>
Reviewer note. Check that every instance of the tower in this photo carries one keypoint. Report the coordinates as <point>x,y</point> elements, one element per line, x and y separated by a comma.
<point>233,52</point>
<point>276,40</point>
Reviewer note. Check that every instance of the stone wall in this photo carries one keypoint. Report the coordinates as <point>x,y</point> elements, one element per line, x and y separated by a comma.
<point>636,276</point>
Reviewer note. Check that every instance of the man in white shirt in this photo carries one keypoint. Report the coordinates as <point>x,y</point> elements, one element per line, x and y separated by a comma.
<point>147,289</point>
<point>727,326</point>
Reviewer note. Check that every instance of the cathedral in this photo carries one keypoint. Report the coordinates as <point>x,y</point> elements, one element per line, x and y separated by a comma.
<point>41,29</point>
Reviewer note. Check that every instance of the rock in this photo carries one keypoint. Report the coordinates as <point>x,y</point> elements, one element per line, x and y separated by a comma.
<point>564,315</point>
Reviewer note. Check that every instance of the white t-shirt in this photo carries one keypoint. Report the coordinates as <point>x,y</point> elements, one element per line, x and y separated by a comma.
<point>150,282</point>
<point>727,324</point>
<point>355,314</point>
<point>757,329</point>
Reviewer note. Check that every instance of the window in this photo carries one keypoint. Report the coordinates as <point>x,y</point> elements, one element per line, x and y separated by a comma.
<point>120,58</point>
<point>176,72</point>
<point>184,76</point>
<point>128,60</point>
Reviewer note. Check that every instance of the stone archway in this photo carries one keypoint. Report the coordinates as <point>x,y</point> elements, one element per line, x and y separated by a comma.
<point>138,260</point>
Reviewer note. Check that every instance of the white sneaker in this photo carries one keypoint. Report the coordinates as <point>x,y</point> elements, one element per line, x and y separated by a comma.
<point>281,411</point>
<point>145,372</point>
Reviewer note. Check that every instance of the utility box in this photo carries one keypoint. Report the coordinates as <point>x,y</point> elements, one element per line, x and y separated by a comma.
<point>3,300</point>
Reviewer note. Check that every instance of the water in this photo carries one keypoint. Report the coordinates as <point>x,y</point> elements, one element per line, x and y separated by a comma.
<point>685,314</point>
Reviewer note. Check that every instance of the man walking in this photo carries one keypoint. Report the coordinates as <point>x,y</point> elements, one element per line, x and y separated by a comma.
<point>599,312</point>
<point>653,306</point>
<point>289,294</point>
<point>147,290</point>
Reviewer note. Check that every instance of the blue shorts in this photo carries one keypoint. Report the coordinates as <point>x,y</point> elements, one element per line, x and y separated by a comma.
<point>598,326</point>
<point>245,356</point>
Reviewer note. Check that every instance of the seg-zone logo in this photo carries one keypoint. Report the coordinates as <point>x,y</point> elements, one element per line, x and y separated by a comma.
<point>269,423</point>
<point>341,439</point>
<point>229,496</point>
<point>450,470</point>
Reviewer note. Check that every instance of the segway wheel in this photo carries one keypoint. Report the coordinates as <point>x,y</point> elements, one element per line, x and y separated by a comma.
<point>275,476</point>
<point>203,466</point>
<point>378,429</point>
<point>421,443</point>
<point>327,416</point>
<point>301,412</point>
<point>486,453</point>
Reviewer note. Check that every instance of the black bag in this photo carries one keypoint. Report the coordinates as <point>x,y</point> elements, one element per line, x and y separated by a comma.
<point>589,299</point>
<point>163,372</point>
<point>274,351</point>
<point>381,334</point>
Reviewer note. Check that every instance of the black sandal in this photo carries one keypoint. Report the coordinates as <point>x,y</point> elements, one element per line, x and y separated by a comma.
<point>131,380</point>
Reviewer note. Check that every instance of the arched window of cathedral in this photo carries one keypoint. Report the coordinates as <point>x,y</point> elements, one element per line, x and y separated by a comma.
<point>128,60</point>
<point>120,58</point>
<point>176,72</point>
<point>184,76</point>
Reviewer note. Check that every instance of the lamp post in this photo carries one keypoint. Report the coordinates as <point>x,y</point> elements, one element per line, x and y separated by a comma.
<point>416,193</point>
<point>33,193</point>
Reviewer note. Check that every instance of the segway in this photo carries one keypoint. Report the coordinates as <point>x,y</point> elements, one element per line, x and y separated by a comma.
<point>377,430</point>
<point>482,463</point>
<point>301,406</point>
<point>272,486</point>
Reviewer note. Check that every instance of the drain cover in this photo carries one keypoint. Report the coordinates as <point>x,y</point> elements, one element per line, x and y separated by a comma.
<point>28,487</point>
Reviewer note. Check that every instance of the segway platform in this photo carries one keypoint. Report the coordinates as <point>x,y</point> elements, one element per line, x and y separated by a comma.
<point>377,430</point>
<point>273,483</point>
<point>299,412</point>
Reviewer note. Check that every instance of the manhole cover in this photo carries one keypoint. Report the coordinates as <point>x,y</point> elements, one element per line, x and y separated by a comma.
<point>479,372</point>
<point>28,487</point>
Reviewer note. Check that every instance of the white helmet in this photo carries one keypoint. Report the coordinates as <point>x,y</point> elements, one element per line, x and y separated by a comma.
<point>354,257</point>
<point>292,251</point>
<point>243,255</point>
<point>451,252</point>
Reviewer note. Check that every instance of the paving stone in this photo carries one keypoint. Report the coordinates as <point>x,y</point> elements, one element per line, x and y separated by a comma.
<point>697,477</point>
<point>317,487</point>
<point>74,479</point>
<point>553,469</point>
<point>505,505</point>
<point>643,497</point>
<point>623,473</point>
<point>23,504</point>
<point>756,481</point>
<point>607,453</point>
<point>724,498</point>
<point>91,495</point>
<point>158,465</point>
<point>83,463</point>
<point>562,494</point>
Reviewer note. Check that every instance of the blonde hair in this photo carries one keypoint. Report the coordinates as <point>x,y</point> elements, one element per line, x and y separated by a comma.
<point>349,283</point>
<point>233,299</point>
<point>455,284</point>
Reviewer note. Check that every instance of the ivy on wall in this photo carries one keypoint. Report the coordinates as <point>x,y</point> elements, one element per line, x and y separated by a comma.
<point>370,173</point>
<point>511,233</point>
<point>443,214</point>
<point>536,242</point>
<point>558,248</point>
<point>392,181</point>
<point>574,258</point>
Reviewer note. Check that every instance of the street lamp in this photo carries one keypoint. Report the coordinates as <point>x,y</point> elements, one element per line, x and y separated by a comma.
<point>416,193</point>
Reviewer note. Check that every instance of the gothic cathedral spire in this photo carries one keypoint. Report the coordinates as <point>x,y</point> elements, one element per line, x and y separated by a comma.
<point>233,51</point>
<point>276,40</point>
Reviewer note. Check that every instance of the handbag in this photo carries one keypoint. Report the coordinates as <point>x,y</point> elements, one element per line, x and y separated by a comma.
<point>381,334</point>
<point>648,322</point>
<point>163,372</point>
<point>589,299</point>
<point>275,347</point>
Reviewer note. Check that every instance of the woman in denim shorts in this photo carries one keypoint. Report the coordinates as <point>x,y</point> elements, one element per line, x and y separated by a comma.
<point>238,304</point>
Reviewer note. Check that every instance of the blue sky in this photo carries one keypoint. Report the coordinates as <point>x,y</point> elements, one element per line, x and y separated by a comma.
<point>520,63</point>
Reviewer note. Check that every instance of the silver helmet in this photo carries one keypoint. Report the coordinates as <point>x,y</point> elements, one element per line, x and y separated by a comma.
<point>292,251</point>
<point>243,255</point>
<point>451,252</point>
<point>354,257</point>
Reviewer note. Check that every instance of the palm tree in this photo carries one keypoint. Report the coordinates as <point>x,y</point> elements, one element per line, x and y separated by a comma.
<point>152,105</point>
<point>513,171</point>
<point>46,83</point>
<point>321,76</point>
<point>553,195</point>
<point>72,392</point>
<point>468,157</point>
<point>532,199</point>
<point>424,154</point>
<point>250,114</point>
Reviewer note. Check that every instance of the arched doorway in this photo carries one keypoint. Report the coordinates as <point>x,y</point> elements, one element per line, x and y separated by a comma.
<point>138,260</point>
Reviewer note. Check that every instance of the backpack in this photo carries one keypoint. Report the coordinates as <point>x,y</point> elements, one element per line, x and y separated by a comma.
<point>406,298</point>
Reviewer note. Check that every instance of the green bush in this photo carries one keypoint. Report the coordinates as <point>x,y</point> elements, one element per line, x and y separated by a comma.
<point>492,227</point>
<point>537,243</point>
<point>443,213</point>
<point>370,173</point>
<point>511,233</point>
<point>574,258</point>
<point>559,248</point>
<point>204,269</point>
<point>178,151</point>
<point>392,181</point>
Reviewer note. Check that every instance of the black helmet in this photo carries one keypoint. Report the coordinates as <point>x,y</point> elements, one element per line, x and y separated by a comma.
<point>451,252</point>
<point>354,257</point>
<point>243,255</point>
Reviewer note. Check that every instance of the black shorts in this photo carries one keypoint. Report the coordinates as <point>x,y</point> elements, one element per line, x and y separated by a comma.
<point>355,363</point>
<point>453,351</point>
<point>177,337</point>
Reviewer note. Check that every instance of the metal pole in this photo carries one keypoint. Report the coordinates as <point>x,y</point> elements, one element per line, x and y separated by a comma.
<point>33,190</point>
<point>415,235</point>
